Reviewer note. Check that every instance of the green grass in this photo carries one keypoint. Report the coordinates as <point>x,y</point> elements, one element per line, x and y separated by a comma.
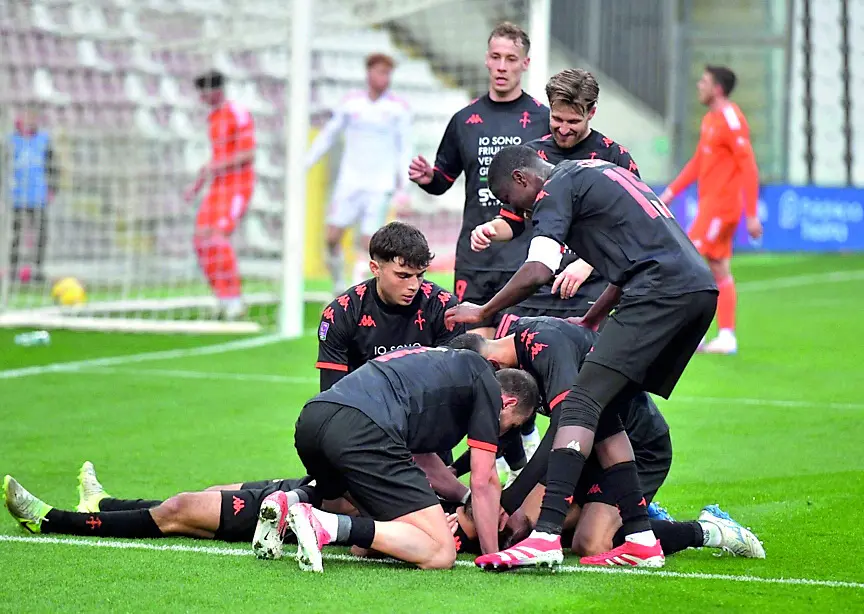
<point>773,434</point>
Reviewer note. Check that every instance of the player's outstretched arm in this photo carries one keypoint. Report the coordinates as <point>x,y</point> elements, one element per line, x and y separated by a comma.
<point>687,176</point>
<point>601,307</point>
<point>441,478</point>
<point>494,230</point>
<point>485,498</point>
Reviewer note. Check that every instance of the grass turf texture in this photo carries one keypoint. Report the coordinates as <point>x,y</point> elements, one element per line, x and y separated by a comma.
<point>772,434</point>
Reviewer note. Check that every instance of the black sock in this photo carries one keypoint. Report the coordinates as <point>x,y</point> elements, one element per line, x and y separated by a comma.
<point>355,531</point>
<point>128,523</point>
<point>116,505</point>
<point>565,467</point>
<point>674,536</point>
<point>621,482</point>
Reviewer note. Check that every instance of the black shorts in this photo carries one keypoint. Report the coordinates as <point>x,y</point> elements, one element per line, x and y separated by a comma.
<point>478,287</point>
<point>344,450</point>
<point>240,508</point>
<point>653,461</point>
<point>651,339</point>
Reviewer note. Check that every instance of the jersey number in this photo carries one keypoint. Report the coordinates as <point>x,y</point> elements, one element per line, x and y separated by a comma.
<point>640,191</point>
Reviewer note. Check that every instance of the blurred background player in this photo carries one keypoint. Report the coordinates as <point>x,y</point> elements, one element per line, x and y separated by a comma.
<point>727,177</point>
<point>232,180</point>
<point>376,152</point>
<point>505,115</point>
<point>33,184</point>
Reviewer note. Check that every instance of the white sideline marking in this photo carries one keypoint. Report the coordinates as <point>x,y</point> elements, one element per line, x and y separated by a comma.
<point>287,379</point>
<point>757,286</point>
<point>215,550</point>
<point>794,281</point>
<point>61,367</point>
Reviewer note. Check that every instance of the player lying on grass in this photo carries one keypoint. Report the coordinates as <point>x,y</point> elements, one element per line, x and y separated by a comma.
<point>537,345</point>
<point>226,513</point>
<point>362,437</point>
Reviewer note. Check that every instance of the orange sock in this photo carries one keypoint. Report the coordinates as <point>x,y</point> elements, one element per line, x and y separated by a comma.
<point>726,304</point>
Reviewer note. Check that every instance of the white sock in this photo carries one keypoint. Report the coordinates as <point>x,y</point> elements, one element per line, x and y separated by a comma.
<point>643,538</point>
<point>549,537</point>
<point>713,536</point>
<point>531,439</point>
<point>329,521</point>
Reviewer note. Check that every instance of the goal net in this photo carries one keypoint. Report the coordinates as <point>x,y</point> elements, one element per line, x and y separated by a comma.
<point>108,86</point>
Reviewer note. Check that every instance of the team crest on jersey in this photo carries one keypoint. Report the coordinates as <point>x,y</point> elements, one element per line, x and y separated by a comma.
<point>322,330</point>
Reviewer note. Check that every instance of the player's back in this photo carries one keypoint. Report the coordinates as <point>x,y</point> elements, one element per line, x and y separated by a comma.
<point>373,129</point>
<point>618,225</point>
<point>424,397</point>
<point>231,129</point>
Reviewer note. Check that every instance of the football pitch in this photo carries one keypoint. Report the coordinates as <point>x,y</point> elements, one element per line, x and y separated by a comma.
<point>773,435</point>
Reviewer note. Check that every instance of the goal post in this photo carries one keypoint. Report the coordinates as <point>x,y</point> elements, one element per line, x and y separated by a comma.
<point>111,85</point>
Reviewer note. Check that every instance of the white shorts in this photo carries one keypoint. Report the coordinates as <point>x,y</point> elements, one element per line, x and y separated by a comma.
<point>352,207</point>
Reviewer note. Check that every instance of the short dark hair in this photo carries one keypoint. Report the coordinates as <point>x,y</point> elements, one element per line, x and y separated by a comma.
<point>507,160</point>
<point>575,88</point>
<point>723,76</point>
<point>511,32</point>
<point>520,384</point>
<point>402,241</point>
<point>210,80</point>
<point>468,341</point>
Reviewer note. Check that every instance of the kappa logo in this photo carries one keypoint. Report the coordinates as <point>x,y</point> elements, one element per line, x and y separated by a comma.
<point>444,297</point>
<point>527,337</point>
<point>238,504</point>
<point>623,149</point>
<point>367,321</point>
<point>537,348</point>
<point>474,119</point>
<point>542,155</point>
<point>595,490</point>
<point>426,288</point>
<point>608,142</point>
<point>344,301</point>
<point>540,195</point>
<point>632,166</point>
<point>329,314</point>
<point>360,290</point>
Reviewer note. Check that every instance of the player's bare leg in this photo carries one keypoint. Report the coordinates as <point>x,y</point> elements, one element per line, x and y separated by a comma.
<point>725,342</point>
<point>423,537</point>
<point>335,257</point>
<point>221,487</point>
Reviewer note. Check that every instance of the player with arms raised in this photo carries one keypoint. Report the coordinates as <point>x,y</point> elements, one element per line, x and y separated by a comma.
<point>377,149</point>
<point>664,292</point>
<point>232,179</point>
<point>506,115</point>
<point>725,170</point>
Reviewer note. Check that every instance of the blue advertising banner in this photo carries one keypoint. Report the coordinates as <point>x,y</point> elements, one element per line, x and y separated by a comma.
<point>796,218</point>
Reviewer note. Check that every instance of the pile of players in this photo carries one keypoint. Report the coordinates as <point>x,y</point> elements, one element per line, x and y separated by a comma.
<point>403,381</point>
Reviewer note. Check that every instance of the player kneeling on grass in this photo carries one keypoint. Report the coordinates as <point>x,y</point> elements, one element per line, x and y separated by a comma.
<point>226,513</point>
<point>362,437</point>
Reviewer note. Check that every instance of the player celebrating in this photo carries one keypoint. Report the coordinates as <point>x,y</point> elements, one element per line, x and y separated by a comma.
<point>362,435</point>
<point>394,309</point>
<point>506,115</point>
<point>725,170</point>
<point>666,292</point>
<point>232,180</point>
<point>573,95</point>
<point>377,150</point>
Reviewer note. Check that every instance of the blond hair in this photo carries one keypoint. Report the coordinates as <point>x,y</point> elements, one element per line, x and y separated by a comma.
<point>573,87</point>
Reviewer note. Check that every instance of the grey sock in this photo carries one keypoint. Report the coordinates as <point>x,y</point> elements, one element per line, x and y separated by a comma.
<point>343,530</point>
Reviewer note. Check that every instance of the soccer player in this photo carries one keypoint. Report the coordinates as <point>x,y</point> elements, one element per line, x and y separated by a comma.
<point>232,179</point>
<point>393,310</point>
<point>221,513</point>
<point>664,292</point>
<point>506,115</point>
<point>363,435</point>
<point>552,350</point>
<point>727,177</point>
<point>572,95</point>
<point>377,149</point>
